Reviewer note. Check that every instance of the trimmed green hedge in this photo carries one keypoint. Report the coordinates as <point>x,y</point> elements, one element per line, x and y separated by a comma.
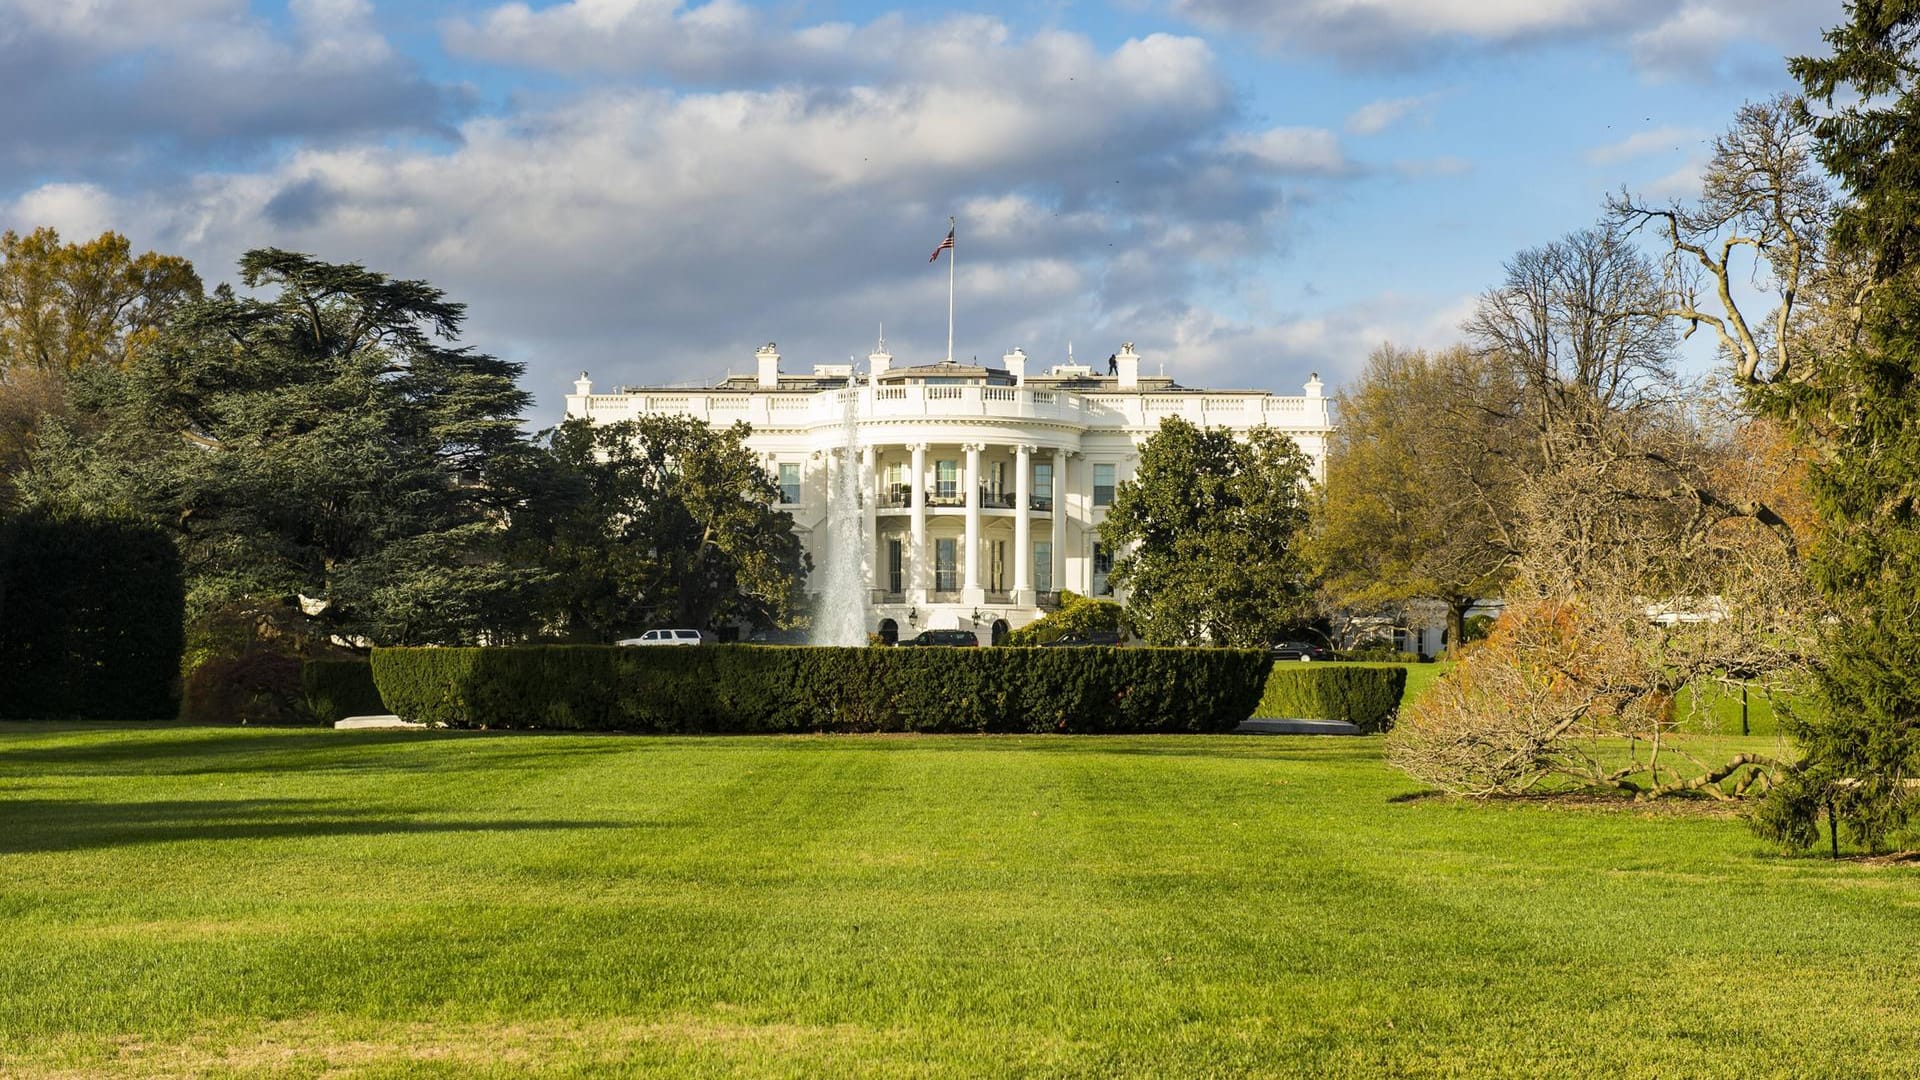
<point>337,689</point>
<point>1365,697</point>
<point>91,619</point>
<point>749,688</point>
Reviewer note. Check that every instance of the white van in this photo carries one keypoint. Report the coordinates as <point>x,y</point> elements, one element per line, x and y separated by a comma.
<point>664,637</point>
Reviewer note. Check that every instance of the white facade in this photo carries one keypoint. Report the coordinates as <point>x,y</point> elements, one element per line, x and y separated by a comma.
<point>981,488</point>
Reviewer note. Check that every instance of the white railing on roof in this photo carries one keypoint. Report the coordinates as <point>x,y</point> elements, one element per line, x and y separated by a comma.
<point>964,401</point>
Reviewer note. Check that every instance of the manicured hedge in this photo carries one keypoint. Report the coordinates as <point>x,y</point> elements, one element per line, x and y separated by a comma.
<point>748,688</point>
<point>1365,697</point>
<point>91,617</point>
<point>337,689</point>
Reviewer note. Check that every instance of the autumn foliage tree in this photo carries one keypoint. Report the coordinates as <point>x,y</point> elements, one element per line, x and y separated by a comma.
<point>68,306</point>
<point>1421,475</point>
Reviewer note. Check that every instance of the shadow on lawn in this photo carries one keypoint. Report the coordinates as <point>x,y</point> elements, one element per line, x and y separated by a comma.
<point>161,751</point>
<point>1328,749</point>
<point>40,825</point>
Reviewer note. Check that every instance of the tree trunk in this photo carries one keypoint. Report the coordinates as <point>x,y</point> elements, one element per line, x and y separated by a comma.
<point>1457,621</point>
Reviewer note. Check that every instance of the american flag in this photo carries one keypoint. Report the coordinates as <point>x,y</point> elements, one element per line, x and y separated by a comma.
<point>945,245</point>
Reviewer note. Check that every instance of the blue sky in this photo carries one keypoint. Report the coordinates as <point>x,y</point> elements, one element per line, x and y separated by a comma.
<point>1248,189</point>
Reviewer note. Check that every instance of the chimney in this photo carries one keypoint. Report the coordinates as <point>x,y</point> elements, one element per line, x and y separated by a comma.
<point>1016,362</point>
<point>577,401</point>
<point>879,362</point>
<point>1129,362</point>
<point>768,358</point>
<point>1315,388</point>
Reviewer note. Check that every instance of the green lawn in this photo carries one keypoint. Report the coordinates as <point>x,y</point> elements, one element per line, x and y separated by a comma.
<point>189,902</point>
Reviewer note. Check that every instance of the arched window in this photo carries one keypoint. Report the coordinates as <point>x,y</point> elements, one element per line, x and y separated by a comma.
<point>889,632</point>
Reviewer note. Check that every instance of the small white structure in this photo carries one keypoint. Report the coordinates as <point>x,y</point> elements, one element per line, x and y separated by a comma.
<point>980,487</point>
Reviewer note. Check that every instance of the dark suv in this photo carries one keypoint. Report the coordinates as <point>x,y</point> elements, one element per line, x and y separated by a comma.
<point>1108,638</point>
<point>1300,650</point>
<point>945,637</point>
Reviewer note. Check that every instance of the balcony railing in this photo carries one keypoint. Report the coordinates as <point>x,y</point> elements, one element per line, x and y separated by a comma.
<point>996,500</point>
<point>885,596</point>
<point>999,596</point>
<point>1048,600</point>
<point>1042,503</point>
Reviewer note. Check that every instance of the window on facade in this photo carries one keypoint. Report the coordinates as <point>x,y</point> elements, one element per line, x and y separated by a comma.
<point>946,479</point>
<point>1103,485</point>
<point>997,566</point>
<point>1043,485</point>
<point>1102,566</point>
<point>945,562</point>
<point>1043,565</point>
<point>789,482</point>
<point>895,566</point>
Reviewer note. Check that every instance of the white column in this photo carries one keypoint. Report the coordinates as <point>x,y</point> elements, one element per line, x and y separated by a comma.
<point>1022,524</point>
<point>970,590</point>
<point>917,577</point>
<point>1059,553</point>
<point>870,516</point>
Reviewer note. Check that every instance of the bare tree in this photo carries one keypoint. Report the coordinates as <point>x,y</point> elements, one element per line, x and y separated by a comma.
<point>1645,559</point>
<point>1762,216</point>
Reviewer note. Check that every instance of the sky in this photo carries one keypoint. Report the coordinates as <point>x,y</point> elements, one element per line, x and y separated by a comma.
<point>648,190</point>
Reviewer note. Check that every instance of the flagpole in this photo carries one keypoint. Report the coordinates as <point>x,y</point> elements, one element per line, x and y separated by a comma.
<point>953,253</point>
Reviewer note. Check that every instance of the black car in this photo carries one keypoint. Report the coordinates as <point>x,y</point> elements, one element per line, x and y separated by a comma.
<point>1107,638</point>
<point>1300,650</point>
<point>964,638</point>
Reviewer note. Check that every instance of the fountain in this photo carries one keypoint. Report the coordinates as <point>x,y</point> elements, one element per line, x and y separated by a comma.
<point>840,608</point>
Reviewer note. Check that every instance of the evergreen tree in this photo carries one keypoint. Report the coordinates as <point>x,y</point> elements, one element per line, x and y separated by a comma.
<point>1861,405</point>
<point>326,440</point>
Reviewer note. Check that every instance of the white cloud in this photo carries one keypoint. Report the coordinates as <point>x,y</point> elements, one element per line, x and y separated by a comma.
<point>1681,183</point>
<point>77,211</point>
<point>1661,140</point>
<point>1689,38</point>
<point>1295,150</point>
<point>99,87</point>
<point>1443,165</point>
<point>655,235</point>
<point>1279,349</point>
<point>1376,117</point>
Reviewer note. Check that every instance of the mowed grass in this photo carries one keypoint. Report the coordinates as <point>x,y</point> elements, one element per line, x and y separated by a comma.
<point>206,902</point>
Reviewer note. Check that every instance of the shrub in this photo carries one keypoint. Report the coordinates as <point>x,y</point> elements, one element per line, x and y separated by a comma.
<point>1380,655</point>
<point>337,689</point>
<point>1366,697</point>
<point>747,688</point>
<point>1079,616</point>
<point>91,613</point>
<point>259,687</point>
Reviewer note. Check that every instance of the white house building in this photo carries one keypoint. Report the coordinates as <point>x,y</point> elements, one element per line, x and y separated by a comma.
<point>980,487</point>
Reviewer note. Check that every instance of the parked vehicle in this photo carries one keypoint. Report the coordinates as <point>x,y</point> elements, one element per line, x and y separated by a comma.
<point>665,637</point>
<point>1300,650</point>
<point>1106,638</point>
<point>963,638</point>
